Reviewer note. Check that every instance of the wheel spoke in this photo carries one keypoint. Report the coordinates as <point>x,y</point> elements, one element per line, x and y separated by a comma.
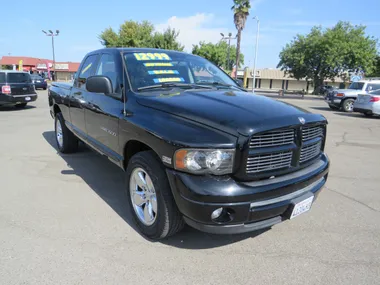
<point>140,180</point>
<point>149,184</point>
<point>153,201</point>
<point>147,214</point>
<point>138,198</point>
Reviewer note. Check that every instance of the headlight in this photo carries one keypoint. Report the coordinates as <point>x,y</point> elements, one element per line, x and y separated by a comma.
<point>205,161</point>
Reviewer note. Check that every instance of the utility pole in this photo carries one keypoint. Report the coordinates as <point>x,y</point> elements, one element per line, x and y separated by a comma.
<point>257,45</point>
<point>52,35</point>
<point>229,38</point>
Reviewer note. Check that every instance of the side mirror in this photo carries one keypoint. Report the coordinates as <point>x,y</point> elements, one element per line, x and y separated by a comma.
<point>99,84</point>
<point>239,82</point>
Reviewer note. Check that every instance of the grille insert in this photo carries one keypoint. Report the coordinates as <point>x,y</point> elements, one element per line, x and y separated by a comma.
<point>309,152</point>
<point>273,138</point>
<point>267,162</point>
<point>309,133</point>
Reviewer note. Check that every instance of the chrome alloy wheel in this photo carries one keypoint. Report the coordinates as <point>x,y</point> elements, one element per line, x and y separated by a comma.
<point>59,133</point>
<point>143,196</point>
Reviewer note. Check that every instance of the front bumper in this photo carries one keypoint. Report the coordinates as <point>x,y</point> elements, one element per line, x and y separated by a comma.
<point>15,99</point>
<point>251,205</point>
<point>336,102</point>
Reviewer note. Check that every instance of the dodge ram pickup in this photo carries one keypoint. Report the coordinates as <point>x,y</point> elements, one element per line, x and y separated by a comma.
<point>196,148</point>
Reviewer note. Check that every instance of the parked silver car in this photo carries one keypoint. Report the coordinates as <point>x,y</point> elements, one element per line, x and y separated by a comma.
<point>368,104</point>
<point>344,98</point>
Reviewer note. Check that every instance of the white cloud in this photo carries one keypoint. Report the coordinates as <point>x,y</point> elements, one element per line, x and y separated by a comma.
<point>193,29</point>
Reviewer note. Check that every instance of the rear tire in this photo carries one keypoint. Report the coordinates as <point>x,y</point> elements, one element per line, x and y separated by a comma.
<point>348,105</point>
<point>66,141</point>
<point>44,88</point>
<point>165,219</point>
<point>21,106</point>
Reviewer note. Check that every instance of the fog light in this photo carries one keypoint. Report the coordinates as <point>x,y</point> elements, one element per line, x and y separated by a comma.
<point>216,214</point>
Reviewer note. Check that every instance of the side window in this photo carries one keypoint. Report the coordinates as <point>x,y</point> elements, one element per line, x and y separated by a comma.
<point>373,87</point>
<point>87,70</point>
<point>107,67</point>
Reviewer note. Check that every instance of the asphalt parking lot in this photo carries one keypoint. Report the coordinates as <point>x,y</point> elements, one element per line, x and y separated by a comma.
<point>64,220</point>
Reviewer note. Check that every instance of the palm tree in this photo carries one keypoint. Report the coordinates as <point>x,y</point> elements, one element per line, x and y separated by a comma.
<point>241,12</point>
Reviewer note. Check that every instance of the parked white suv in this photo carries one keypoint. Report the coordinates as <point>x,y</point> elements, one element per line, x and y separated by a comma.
<point>344,98</point>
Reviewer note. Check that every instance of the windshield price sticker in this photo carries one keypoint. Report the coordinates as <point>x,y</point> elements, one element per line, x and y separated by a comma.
<point>151,56</point>
<point>164,80</point>
<point>158,64</point>
<point>152,72</point>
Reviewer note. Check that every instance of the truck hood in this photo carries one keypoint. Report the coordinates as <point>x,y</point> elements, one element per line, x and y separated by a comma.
<point>230,111</point>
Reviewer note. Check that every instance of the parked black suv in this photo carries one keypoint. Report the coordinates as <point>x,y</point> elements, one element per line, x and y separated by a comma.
<point>16,88</point>
<point>196,147</point>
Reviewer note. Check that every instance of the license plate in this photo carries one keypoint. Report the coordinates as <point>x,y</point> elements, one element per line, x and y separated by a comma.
<point>27,98</point>
<point>302,207</point>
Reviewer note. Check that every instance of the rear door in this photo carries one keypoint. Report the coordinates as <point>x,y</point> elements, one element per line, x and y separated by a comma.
<point>21,84</point>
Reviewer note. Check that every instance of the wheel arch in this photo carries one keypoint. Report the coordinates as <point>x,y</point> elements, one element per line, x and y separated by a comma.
<point>132,147</point>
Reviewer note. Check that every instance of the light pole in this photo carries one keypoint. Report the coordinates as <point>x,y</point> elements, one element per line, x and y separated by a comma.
<point>229,38</point>
<point>52,35</point>
<point>257,45</point>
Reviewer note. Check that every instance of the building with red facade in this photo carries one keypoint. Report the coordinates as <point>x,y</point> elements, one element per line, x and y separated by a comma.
<point>63,70</point>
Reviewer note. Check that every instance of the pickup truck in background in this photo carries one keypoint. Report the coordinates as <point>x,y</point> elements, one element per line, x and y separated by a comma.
<point>16,88</point>
<point>343,99</point>
<point>195,146</point>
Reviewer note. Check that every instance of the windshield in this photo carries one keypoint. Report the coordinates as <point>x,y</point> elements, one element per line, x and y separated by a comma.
<point>150,69</point>
<point>356,85</point>
<point>18,77</point>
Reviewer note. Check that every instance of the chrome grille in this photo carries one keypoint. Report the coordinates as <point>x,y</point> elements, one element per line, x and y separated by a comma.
<point>266,162</point>
<point>309,133</point>
<point>309,152</point>
<point>273,138</point>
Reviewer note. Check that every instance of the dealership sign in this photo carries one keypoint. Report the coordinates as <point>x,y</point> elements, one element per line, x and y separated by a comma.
<point>44,65</point>
<point>61,66</point>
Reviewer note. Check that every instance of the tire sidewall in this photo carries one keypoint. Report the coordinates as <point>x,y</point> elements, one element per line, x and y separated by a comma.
<point>59,118</point>
<point>158,228</point>
<point>345,103</point>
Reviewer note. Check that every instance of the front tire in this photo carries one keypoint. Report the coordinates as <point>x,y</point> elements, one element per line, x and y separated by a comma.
<point>150,199</point>
<point>348,105</point>
<point>66,141</point>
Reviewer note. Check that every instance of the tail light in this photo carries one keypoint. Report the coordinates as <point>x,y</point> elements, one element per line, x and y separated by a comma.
<point>340,95</point>
<point>6,89</point>
<point>374,99</point>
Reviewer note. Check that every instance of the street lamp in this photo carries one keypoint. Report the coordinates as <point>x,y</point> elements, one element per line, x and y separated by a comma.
<point>257,45</point>
<point>52,35</point>
<point>229,38</point>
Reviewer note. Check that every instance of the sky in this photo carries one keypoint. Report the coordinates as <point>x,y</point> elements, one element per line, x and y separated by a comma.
<point>80,23</point>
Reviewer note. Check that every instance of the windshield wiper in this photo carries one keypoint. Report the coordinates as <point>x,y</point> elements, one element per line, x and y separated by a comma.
<point>217,83</point>
<point>170,85</point>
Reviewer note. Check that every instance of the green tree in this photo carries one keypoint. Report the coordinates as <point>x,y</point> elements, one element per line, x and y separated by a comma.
<point>376,70</point>
<point>136,34</point>
<point>241,12</point>
<point>217,54</point>
<point>326,54</point>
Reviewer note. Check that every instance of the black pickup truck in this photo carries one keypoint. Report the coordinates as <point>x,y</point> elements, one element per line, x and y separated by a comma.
<point>195,146</point>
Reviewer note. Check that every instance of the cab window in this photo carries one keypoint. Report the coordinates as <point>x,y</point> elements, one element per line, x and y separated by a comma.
<point>87,70</point>
<point>107,67</point>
